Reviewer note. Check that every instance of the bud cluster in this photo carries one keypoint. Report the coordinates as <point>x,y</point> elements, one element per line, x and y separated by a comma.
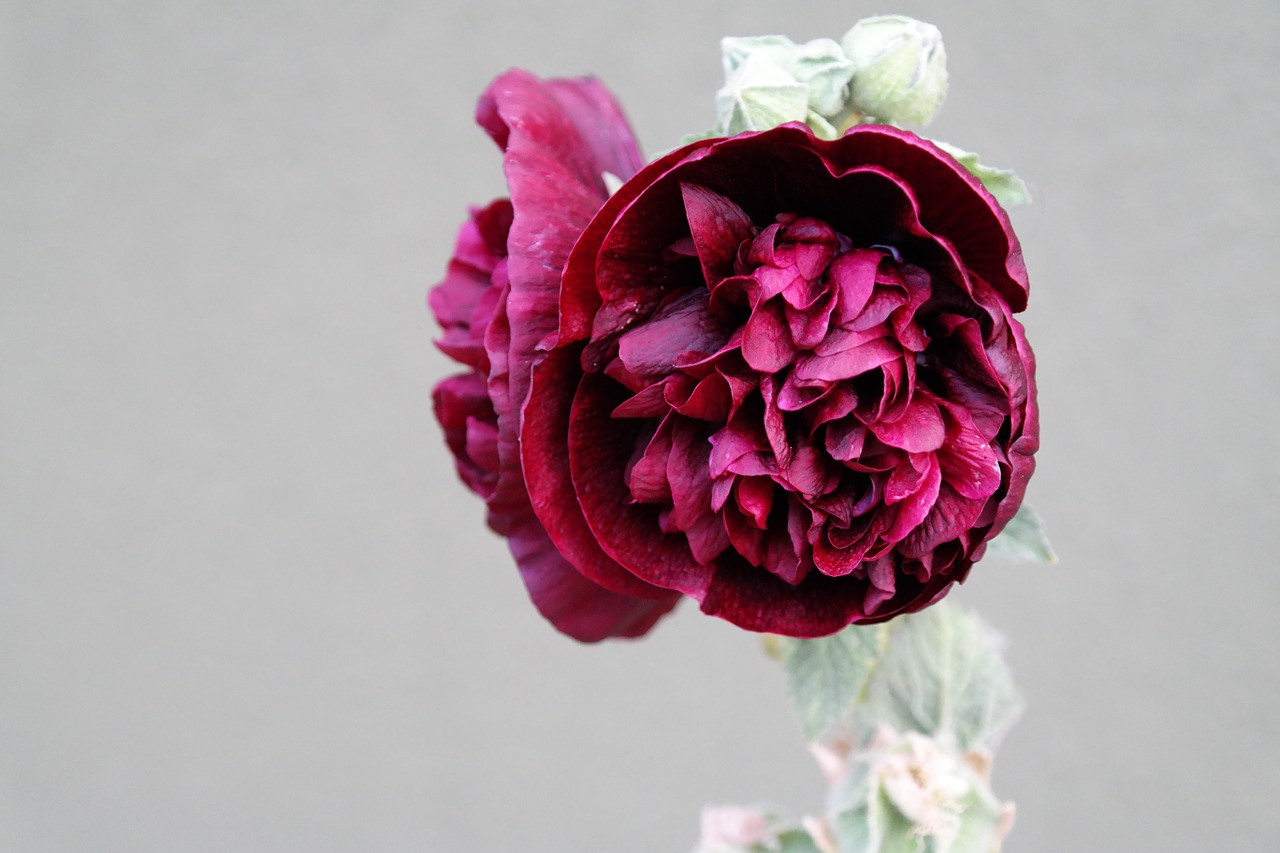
<point>888,69</point>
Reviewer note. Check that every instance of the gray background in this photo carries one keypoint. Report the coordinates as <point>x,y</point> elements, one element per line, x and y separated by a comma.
<point>244,605</point>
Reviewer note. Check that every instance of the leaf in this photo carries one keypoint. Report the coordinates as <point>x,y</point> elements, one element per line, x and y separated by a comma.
<point>827,676</point>
<point>856,811</point>
<point>793,841</point>
<point>1023,539</point>
<point>943,675</point>
<point>736,50</point>
<point>1007,187</point>
<point>759,95</point>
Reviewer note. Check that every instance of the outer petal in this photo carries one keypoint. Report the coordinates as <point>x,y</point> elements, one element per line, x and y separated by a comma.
<point>545,451</point>
<point>559,137</point>
<point>576,606</point>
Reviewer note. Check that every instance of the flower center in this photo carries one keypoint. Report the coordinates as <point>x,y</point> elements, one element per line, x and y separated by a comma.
<point>788,415</point>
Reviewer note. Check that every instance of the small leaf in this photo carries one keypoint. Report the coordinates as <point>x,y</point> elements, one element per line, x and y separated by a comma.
<point>734,51</point>
<point>759,95</point>
<point>1023,539</point>
<point>828,675</point>
<point>1007,187</point>
<point>792,841</point>
<point>943,676</point>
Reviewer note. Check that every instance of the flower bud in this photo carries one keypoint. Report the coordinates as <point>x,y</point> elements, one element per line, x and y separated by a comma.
<point>900,68</point>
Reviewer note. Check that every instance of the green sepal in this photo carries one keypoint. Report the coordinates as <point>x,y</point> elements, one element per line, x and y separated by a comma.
<point>1023,539</point>
<point>1007,187</point>
<point>758,96</point>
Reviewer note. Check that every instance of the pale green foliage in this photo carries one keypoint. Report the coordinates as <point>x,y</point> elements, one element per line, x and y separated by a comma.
<point>758,96</point>
<point>829,675</point>
<point>792,841</point>
<point>770,80</point>
<point>1024,539</point>
<point>1007,187</point>
<point>943,675</point>
<point>938,672</point>
<point>903,718</point>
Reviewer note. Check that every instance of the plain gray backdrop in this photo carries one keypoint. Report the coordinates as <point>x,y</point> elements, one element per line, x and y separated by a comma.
<point>244,603</point>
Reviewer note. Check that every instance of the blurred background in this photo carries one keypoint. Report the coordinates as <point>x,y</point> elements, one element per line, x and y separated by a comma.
<point>244,602</point>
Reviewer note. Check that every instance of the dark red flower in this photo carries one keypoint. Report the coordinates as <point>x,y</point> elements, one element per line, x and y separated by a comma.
<point>498,300</point>
<point>777,374</point>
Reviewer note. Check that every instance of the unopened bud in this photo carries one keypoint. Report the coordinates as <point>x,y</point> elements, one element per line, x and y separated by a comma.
<point>900,68</point>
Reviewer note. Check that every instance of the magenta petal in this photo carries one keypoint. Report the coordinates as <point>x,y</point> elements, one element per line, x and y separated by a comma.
<point>689,474</point>
<point>544,446</point>
<point>755,499</point>
<point>951,516</point>
<point>845,439</point>
<point>648,478</point>
<point>848,363</point>
<point>855,276</point>
<point>554,174</point>
<point>681,327</point>
<point>745,537</point>
<point>761,601</point>
<point>647,403</point>
<point>913,509</point>
<point>690,479</point>
<point>600,123</point>
<point>575,605</point>
<point>737,439</point>
<point>918,429</point>
<point>968,462</point>
<point>766,342</point>
<point>462,407</point>
<point>718,227</point>
<point>628,532</point>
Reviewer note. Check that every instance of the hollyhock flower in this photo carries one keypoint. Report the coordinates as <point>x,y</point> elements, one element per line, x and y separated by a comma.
<point>778,374</point>
<point>560,137</point>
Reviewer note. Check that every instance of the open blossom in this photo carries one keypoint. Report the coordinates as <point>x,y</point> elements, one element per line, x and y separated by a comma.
<point>777,374</point>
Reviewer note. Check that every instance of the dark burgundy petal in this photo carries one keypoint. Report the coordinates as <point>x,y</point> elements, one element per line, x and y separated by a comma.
<point>628,532</point>
<point>718,227</point>
<point>951,516</point>
<point>575,605</point>
<point>648,478</point>
<point>915,506</point>
<point>846,364</point>
<point>681,327</point>
<point>968,462</point>
<point>544,448</point>
<point>766,342</point>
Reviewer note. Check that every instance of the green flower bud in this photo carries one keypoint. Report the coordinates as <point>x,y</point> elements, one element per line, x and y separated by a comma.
<point>900,68</point>
<point>770,80</point>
